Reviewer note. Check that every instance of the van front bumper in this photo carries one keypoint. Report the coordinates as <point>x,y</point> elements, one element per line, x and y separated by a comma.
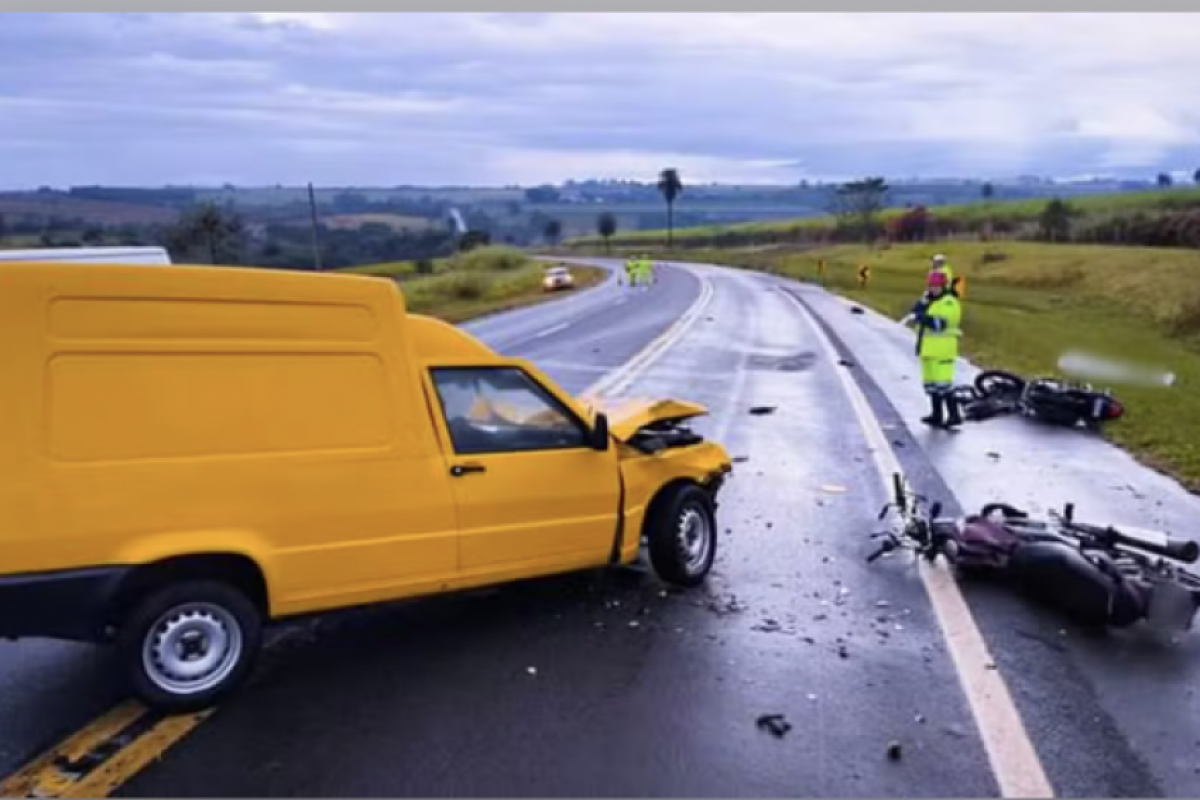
<point>68,604</point>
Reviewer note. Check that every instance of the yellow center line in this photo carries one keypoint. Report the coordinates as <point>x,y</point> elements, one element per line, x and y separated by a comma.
<point>58,772</point>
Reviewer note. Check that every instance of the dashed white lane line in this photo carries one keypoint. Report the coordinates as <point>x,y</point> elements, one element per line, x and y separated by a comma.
<point>1014,760</point>
<point>553,329</point>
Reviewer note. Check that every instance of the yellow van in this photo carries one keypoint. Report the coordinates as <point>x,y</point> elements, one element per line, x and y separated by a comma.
<point>189,453</point>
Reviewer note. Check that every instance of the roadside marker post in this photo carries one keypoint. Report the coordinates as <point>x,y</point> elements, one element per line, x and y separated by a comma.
<point>864,276</point>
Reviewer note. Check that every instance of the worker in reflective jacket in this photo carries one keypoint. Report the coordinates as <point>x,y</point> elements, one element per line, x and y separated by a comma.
<point>631,270</point>
<point>937,317</point>
<point>938,264</point>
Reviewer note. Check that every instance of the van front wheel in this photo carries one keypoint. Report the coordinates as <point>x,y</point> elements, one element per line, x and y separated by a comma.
<point>187,646</point>
<point>682,535</point>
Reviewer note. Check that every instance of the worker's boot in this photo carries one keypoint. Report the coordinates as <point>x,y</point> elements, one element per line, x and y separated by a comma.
<point>936,416</point>
<point>954,418</point>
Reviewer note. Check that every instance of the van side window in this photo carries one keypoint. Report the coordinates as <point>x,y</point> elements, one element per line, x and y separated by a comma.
<point>503,410</point>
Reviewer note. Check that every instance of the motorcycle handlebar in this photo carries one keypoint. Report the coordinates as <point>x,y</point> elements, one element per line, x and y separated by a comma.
<point>1182,550</point>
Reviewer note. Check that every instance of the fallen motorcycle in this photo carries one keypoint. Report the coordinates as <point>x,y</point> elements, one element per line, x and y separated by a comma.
<point>1100,575</point>
<point>1058,402</point>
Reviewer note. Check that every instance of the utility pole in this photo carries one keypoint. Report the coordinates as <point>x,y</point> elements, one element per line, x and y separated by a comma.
<point>316,242</point>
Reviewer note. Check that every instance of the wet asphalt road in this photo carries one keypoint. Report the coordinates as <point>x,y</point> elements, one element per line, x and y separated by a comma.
<point>603,684</point>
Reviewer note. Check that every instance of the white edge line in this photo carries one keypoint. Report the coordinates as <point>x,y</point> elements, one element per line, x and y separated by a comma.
<point>1014,760</point>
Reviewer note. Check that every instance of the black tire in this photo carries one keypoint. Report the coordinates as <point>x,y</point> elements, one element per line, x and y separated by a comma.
<point>679,507</point>
<point>992,382</point>
<point>198,605</point>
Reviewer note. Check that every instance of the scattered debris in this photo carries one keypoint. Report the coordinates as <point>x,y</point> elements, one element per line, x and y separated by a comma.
<point>990,666</point>
<point>774,724</point>
<point>531,670</point>
<point>726,607</point>
<point>894,751</point>
<point>842,651</point>
<point>740,459</point>
<point>833,488</point>
<point>882,604</point>
<point>857,310</point>
<point>759,411</point>
<point>919,719</point>
<point>633,623</point>
<point>994,456</point>
<point>768,626</point>
<point>843,362</point>
<point>812,698</point>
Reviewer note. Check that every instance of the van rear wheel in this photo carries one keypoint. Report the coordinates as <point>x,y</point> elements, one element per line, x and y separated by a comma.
<point>187,646</point>
<point>682,534</point>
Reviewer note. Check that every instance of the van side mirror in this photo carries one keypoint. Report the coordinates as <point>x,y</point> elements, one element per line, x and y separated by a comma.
<point>599,434</point>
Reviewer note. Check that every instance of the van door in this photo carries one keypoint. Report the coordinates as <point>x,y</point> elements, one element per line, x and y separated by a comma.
<point>531,494</point>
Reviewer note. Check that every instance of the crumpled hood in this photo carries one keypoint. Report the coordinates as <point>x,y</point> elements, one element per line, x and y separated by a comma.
<point>626,416</point>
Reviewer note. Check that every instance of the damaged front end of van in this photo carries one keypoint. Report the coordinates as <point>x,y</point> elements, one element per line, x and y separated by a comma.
<point>672,477</point>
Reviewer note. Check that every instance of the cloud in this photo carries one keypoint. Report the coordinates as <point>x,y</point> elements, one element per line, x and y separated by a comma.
<point>519,98</point>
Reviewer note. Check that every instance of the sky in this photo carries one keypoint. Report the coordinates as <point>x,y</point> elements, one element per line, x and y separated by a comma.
<point>495,99</point>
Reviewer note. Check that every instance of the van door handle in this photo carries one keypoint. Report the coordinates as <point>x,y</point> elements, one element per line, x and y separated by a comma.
<point>458,470</point>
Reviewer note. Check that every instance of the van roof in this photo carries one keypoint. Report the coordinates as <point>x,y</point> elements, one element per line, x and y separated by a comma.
<point>195,280</point>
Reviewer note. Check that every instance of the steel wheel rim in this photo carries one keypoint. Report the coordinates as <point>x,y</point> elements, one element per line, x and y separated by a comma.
<point>694,538</point>
<point>192,648</point>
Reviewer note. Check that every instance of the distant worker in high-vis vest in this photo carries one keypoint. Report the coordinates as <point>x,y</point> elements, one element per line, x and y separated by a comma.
<point>631,270</point>
<point>937,317</point>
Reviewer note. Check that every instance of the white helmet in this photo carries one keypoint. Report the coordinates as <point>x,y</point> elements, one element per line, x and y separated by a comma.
<point>939,259</point>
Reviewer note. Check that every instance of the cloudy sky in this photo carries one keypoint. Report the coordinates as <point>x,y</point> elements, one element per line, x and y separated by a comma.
<point>387,99</point>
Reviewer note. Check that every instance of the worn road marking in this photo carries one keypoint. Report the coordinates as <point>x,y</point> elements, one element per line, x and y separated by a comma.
<point>1014,760</point>
<point>107,752</point>
<point>553,329</point>
<point>621,378</point>
<point>102,755</point>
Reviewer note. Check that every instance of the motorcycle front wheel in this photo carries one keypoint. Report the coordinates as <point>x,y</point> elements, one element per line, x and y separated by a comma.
<point>992,382</point>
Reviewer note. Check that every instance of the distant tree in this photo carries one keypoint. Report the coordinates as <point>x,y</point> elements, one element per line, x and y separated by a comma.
<point>4,224</point>
<point>606,226</point>
<point>1196,176</point>
<point>857,205</point>
<point>93,234</point>
<point>474,238</point>
<point>219,230</point>
<point>988,191</point>
<point>542,194</point>
<point>670,186</point>
<point>552,231</point>
<point>1164,180</point>
<point>1055,220</point>
<point>912,225</point>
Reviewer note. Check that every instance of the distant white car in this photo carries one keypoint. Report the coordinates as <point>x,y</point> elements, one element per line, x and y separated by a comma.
<point>557,278</point>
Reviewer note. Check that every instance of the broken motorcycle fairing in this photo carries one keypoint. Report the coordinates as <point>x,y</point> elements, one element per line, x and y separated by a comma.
<point>1086,586</point>
<point>1098,575</point>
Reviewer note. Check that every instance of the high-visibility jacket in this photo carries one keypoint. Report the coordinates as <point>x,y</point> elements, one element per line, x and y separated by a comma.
<point>939,329</point>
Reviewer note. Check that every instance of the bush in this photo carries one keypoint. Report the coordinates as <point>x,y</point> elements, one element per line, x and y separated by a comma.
<point>466,285</point>
<point>491,259</point>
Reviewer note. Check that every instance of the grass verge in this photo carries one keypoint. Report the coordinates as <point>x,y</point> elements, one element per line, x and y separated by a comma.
<point>1026,303</point>
<point>485,281</point>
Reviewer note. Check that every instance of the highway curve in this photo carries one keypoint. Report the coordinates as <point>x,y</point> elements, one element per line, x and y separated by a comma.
<point>604,684</point>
